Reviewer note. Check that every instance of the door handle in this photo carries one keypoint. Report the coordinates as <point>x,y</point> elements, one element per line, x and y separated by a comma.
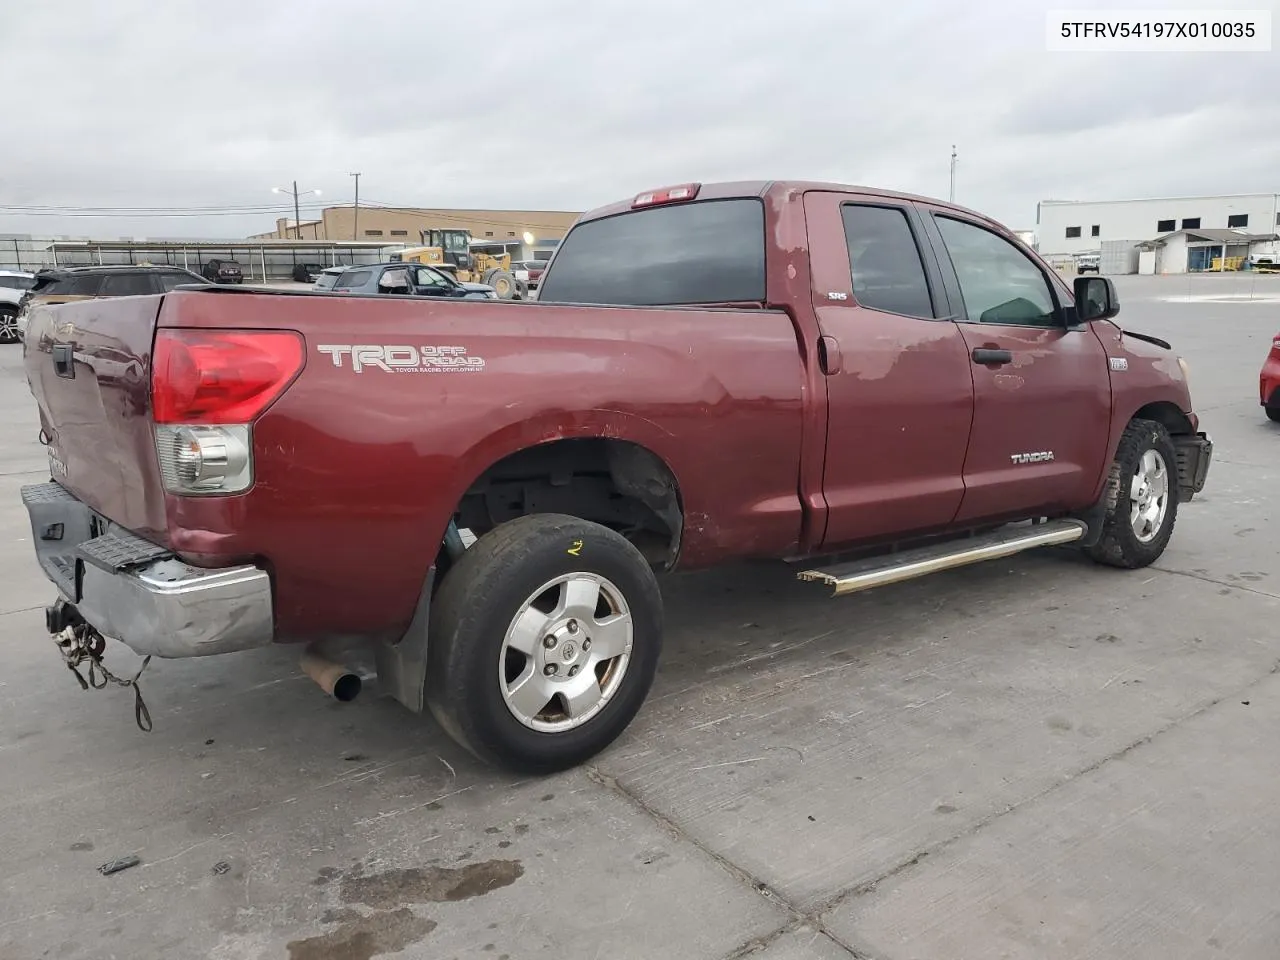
<point>991,357</point>
<point>830,360</point>
<point>63,361</point>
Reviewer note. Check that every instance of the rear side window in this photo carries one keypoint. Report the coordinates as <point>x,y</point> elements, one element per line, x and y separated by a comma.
<point>707,252</point>
<point>17,283</point>
<point>87,286</point>
<point>356,278</point>
<point>885,261</point>
<point>127,285</point>
<point>326,281</point>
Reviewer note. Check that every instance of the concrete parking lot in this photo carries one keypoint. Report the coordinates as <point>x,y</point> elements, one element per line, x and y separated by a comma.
<point>1033,758</point>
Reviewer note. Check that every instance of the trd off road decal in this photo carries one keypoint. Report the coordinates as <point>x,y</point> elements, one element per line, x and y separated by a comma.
<point>402,358</point>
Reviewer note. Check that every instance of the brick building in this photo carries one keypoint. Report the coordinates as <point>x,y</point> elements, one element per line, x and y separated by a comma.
<point>405,225</point>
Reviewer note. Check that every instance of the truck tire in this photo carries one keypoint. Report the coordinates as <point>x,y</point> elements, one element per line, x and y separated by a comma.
<point>522,290</point>
<point>543,643</point>
<point>503,283</point>
<point>1141,498</point>
<point>9,324</point>
<point>1273,413</point>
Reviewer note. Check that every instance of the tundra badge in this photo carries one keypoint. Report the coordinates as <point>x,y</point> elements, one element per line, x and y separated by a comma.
<point>1041,456</point>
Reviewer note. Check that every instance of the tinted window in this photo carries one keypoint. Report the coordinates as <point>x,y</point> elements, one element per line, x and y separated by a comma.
<point>999,284</point>
<point>81,286</point>
<point>326,281</point>
<point>356,278</point>
<point>18,283</point>
<point>1238,220</point>
<point>885,261</point>
<point>1165,226</point>
<point>170,280</point>
<point>127,285</point>
<point>1073,232</point>
<point>710,252</point>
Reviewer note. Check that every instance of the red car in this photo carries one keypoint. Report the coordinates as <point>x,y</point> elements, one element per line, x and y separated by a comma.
<point>1269,382</point>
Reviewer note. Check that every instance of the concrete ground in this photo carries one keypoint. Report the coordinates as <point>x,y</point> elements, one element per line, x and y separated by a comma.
<point>1034,758</point>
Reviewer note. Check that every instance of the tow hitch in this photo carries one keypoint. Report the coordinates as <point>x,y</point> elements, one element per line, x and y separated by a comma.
<point>79,643</point>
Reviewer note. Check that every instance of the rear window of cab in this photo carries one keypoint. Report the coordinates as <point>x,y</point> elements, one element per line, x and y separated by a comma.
<point>683,254</point>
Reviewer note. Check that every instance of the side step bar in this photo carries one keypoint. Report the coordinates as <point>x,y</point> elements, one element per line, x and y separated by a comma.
<point>860,575</point>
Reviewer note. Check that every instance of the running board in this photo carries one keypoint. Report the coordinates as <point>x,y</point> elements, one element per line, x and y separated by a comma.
<point>907,565</point>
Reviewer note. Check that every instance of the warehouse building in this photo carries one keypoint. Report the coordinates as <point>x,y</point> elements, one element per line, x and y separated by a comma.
<point>1179,234</point>
<point>531,234</point>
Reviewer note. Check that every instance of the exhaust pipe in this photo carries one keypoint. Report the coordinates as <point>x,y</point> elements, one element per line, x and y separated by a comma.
<point>333,678</point>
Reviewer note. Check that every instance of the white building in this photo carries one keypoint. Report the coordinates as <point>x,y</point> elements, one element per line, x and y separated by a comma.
<point>1067,227</point>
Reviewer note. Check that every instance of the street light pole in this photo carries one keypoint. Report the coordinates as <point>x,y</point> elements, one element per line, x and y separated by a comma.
<point>953,173</point>
<point>355,223</point>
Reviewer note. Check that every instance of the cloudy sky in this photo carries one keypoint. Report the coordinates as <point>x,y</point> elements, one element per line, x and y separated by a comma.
<point>566,104</point>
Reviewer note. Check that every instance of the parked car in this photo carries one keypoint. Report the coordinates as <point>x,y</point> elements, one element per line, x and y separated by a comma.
<point>307,272</point>
<point>58,285</point>
<point>486,494</point>
<point>328,277</point>
<point>1088,263</point>
<point>529,271</point>
<point>17,280</point>
<point>222,271</point>
<point>1269,381</point>
<point>13,290</point>
<point>409,279</point>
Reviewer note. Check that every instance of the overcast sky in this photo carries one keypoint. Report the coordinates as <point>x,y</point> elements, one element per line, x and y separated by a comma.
<point>567,104</point>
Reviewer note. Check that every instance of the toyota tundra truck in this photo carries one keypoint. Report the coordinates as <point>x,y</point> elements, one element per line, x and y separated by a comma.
<point>873,385</point>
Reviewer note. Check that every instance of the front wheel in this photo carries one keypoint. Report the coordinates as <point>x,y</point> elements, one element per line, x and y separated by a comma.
<point>1141,497</point>
<point>544,641</point>
<point>9,332</point>
<point>1273,412</point>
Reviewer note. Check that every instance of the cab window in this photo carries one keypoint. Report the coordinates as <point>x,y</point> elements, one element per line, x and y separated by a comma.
<point>999,284</point>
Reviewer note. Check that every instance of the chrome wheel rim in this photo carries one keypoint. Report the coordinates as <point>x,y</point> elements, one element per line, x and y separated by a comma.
<point>8,327</point>
<point>566,652</point>
<point>1149,496</point>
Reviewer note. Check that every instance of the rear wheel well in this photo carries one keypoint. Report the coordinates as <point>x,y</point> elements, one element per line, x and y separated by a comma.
<point>1166,413</point>
<point>616,483</point>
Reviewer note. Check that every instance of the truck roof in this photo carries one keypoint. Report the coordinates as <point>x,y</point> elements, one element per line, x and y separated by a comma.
<point>779,189</point>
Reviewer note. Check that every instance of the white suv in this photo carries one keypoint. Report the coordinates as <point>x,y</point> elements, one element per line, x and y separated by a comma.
<point>14,285</point>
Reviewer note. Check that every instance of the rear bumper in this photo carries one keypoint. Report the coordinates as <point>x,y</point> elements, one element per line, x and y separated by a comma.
<point>139,593</point>
<point>1195,453</point>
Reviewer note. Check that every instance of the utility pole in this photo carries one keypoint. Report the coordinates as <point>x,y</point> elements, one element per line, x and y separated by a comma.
<point>953,173</point>
<point>297,215</point>
<point>355,223</point>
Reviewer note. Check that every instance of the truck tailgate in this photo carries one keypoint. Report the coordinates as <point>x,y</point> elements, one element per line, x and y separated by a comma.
<point>89,368</point>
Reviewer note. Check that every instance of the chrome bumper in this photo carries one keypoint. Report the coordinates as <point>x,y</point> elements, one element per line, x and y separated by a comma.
<point>139,593</point>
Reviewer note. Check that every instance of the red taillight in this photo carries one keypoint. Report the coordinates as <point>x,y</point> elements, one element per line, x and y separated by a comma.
<point>686,191</point>
<point>220,376</point>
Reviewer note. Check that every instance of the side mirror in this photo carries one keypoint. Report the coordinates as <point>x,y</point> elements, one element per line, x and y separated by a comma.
<point>1096,299</point>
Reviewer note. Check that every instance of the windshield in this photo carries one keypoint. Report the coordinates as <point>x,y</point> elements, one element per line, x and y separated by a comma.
<point>690,253</point>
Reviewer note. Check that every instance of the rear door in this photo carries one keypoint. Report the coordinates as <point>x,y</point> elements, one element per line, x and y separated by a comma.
<point>899,387</point>
<point>1042,390</point>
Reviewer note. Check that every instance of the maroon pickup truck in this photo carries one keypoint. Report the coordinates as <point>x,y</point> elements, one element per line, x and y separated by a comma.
<point>483,492</point>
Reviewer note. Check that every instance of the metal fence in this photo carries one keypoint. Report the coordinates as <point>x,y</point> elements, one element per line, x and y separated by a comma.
<point>260,262</point>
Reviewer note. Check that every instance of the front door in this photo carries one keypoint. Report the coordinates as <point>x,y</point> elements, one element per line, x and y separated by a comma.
<point>899,387</point>
<point>1042,390</point>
